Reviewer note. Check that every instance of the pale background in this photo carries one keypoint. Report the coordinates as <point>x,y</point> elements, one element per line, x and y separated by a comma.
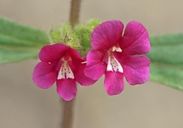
<point>23,105</point>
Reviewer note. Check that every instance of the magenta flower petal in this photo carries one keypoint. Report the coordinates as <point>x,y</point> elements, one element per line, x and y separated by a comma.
<point>95,71</point>
<point>113,83</point>
<point>137,69</point>
<point>95,67</point>
<point>52,52</point>
<point>106,34</point>
<point>82,78</point>
<point>44,75</point>
<point>75,55</point>
<point>66,88</point>
<point>135,39</point>
<point>94,57</point>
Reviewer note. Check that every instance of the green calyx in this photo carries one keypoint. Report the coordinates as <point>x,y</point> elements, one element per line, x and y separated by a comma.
<point>77,37</point>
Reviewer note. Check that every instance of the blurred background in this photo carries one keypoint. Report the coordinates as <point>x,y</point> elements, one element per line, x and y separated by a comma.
<point>23,105</point>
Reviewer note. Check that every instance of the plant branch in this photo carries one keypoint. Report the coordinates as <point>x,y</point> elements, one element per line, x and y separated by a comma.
<point>74,12</point>
<point>68,107</point>
<point>68,114</point>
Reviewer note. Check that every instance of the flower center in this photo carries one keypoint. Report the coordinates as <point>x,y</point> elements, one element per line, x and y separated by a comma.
<point>65,71</point>
<point>116,49</point>
<point>113,64</point>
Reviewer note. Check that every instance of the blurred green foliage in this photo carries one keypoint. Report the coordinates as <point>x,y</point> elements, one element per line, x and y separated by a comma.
<point>65,34</point>
<point>167,60</point>
<point>77,37</point>
<point>19,42</point>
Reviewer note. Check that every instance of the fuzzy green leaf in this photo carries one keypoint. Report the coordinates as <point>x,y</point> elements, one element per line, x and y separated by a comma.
<point>169,39</point>
<point>7,55</point>
<point>169,75</point>
<point>167,54</point>
<point>18,42</point>
<point>167,60</point>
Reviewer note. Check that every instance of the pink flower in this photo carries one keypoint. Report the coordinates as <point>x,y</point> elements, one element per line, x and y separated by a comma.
<point>64,65</point>
<point>119,53</point>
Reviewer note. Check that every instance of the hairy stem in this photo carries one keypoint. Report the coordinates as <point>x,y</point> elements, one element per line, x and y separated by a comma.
<point>68,107</point>
<point>68,114</point>
<point>74,12</point>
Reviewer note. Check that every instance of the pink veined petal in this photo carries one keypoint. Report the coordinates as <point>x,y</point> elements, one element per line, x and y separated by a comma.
<point>106,34</point>
<point>136,69</point>
<point>52,52</point>
<point>74,54</point>
<point>74,59</point>
<point>135,39</point>
<point>44,75</point>
<point>66,88</point>
<point>78,65</point>
<point>95,66</point>
<point>113,83</point>
<point>95,71</point>
<point>94,57</point>
<point>81,77</point>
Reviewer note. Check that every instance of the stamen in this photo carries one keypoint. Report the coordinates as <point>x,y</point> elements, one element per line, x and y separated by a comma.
<point>116,49</point>
<point>84,62</point>
<point>114,65</point>
<point>65,72</point>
